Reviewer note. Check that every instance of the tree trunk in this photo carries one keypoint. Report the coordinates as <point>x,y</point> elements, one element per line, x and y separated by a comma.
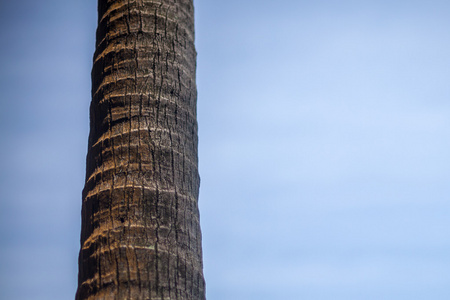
<point>140,236</point>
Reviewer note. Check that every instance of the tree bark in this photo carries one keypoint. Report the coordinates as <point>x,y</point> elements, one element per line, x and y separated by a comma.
<point>140,236</point>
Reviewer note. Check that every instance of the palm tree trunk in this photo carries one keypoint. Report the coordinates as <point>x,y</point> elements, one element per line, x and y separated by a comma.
<point>140,236</point>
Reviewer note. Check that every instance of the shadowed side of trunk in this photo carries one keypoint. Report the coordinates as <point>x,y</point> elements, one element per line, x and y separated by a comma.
<point>140,236</point>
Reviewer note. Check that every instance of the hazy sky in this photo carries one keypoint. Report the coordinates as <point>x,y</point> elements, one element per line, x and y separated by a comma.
<point>324,147</point>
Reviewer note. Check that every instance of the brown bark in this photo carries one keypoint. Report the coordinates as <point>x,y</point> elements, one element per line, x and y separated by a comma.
<point>140,236</point>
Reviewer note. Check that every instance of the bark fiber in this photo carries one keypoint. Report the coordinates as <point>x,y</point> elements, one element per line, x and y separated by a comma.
<point>140,236</point>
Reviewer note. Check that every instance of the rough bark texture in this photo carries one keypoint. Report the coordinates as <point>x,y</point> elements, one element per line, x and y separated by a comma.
<point>140,236</point>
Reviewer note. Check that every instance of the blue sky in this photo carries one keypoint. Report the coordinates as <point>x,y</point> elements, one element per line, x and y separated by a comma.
<point>324,149</point>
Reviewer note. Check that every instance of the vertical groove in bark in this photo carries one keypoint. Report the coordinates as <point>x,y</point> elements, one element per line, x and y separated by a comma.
<point>140,236</point>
